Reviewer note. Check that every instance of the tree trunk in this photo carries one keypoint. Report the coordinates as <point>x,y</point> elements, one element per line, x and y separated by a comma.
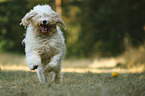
<point>58,7</point>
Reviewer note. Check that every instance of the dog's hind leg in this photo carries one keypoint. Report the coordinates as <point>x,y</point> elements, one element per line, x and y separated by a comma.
<point>57,76</point>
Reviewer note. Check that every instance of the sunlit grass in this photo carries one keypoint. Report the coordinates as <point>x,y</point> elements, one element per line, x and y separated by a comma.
<point>16,62</point>
<point>135,56</point>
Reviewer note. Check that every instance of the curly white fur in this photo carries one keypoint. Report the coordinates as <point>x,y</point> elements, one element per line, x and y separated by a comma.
<point>44,42</point>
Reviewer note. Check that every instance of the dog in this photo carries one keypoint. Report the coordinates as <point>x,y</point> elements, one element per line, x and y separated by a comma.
<point>44,42</point>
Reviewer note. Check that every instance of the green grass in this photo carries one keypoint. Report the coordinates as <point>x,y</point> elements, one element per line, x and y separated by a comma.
<point>22,83</point>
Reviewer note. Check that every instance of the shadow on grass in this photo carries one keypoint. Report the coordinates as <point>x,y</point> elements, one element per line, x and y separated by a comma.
<point>18,75</point>
<point>15,75</point>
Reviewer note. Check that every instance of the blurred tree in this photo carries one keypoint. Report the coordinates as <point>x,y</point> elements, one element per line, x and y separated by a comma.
<point>109,22</point>
<point>10,31</point>
<point>104,25</point>
<point>93,27</point>
<point>58,6</point>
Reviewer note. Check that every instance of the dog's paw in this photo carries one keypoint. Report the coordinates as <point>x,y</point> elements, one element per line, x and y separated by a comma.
<point>34,67</point>
<point>51,66</point>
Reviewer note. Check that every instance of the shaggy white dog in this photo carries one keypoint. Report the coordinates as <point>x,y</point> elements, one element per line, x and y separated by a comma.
<point>44,42</point>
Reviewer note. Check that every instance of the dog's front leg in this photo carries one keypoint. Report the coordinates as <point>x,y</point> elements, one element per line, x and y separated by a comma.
<point>42,74</point>
<point>33,60</point>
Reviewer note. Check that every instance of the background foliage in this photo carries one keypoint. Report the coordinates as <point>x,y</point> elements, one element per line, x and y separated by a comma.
<point>94,27</point>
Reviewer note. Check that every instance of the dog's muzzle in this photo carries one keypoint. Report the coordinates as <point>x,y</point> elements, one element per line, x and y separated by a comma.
<point>46,28</point>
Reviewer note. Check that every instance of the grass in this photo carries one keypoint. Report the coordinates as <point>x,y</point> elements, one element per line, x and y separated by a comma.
<point>22,83</point>
<point>26,83</point>
<point>135,56</point>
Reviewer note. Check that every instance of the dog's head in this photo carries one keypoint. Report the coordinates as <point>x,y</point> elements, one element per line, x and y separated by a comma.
<point>43,19</point>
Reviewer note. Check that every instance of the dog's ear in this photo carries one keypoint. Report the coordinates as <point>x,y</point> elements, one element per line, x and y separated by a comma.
<point>60,22</point>
<point>25,21</point>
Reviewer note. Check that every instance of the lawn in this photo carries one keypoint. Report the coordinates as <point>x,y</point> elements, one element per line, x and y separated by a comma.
<point>22,83</point>
<point>26,83</point>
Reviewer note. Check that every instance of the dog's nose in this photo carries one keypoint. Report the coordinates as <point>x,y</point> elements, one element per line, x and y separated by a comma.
<point>44,21</point>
